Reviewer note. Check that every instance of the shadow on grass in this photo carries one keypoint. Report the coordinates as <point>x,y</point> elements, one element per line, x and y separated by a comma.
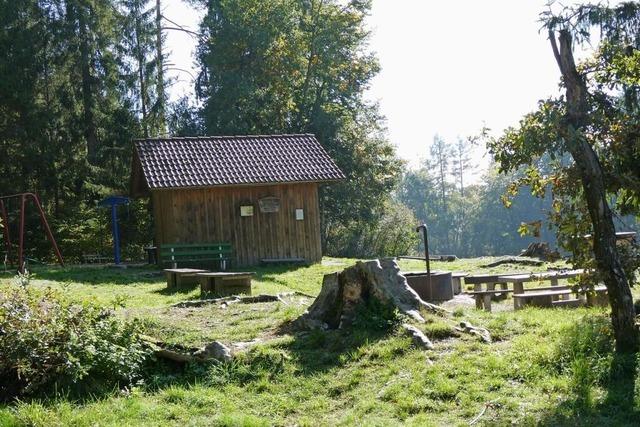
<point>593,365</point>
<point>96,275</point>
<point>305,354</point>
<point>184,289</point>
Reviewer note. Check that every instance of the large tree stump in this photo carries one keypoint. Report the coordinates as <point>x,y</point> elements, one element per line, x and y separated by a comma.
<point>342,292</point>
<point>540,250</point>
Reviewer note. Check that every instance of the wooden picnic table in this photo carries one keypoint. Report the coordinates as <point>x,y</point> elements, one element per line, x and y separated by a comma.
<point>483,297</point>
<point>518,280</point>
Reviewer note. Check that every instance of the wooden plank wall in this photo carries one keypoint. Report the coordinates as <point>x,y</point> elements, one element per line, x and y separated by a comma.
<point>213,215</point>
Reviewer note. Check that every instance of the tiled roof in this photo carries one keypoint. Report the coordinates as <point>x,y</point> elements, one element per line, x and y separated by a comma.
<point>234,160</point>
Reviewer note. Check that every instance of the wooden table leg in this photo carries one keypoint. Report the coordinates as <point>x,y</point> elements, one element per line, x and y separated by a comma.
<point>171,279</point>
<point>518,288</point>
<point>205,285</point>
<point>218,287</point>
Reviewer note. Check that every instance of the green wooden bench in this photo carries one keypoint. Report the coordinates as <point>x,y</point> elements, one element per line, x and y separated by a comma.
<point>174,253</point>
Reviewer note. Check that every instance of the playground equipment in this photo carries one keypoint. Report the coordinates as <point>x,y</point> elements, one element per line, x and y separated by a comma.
<point>23,197</point>
<point>114,202</point>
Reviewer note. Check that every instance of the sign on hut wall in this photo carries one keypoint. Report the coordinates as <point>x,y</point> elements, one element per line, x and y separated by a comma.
<point>269,204</point>
<point>246,210</point>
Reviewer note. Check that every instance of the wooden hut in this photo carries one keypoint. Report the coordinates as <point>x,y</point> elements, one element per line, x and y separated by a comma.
<point>258,193</point>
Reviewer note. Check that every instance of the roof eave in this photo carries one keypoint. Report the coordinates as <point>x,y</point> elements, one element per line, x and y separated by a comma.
<point>249,184</point>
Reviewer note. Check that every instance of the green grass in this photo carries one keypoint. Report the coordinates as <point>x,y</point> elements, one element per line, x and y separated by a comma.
<point>545,367</point>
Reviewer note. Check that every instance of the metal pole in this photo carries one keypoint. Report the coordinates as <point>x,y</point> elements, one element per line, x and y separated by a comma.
<point>116,237</point>
<point>425,236</point>
<point>23,199</point>
<point>5,230</point>
<point>47,229</point>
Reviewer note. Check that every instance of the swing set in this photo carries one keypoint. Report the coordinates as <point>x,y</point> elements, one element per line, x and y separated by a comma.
<point>23,197</point>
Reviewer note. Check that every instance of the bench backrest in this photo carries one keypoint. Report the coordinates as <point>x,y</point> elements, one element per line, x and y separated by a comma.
<point>175,252</point>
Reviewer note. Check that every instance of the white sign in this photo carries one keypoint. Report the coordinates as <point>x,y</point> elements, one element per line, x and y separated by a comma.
<point>246,210</point>
<point>299,214</point>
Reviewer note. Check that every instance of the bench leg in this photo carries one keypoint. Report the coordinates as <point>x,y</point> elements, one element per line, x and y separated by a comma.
<point>517,303</point>
<point>478,302</point>
<point>179,280</point>
<point>554,282</point>
<point>205,285</point>
<point>487,302</point>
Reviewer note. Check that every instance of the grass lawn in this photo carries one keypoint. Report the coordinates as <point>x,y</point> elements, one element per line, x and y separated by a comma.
<point>545,366</point>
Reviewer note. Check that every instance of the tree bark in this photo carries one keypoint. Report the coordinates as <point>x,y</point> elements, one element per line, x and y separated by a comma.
<point>592,177</point>
<point>88,101</point>
<point>160,70</point>
<point>341,293</point>
<point>141,64</point>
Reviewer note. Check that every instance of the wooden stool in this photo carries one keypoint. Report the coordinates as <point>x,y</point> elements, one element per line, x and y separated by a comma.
<point>226,283</point>
<point>176,277</point>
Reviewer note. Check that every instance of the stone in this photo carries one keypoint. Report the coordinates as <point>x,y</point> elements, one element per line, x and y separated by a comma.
<point>419,338</point>
<point>214,350</point>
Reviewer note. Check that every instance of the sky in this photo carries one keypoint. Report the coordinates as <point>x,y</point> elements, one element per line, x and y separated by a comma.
<point>448,67</point>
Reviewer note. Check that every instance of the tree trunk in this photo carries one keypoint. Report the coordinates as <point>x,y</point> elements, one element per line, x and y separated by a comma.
<point>341,293</point>
<point>88,101</point>
<point>160,66</point>
<point>592,177</point>
<point>141,64</point>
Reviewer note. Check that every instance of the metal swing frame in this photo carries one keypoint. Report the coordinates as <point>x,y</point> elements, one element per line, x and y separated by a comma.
<point>7,235</point>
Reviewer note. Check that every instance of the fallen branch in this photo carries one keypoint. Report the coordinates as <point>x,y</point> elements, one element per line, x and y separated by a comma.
<point>237,299</point>
<point>484,409</point>
<point>514,260</point>
<point>213,351</point>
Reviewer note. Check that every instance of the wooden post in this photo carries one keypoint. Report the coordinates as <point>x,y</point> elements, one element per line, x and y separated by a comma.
<point>21,235</point>
<point>5,230</point>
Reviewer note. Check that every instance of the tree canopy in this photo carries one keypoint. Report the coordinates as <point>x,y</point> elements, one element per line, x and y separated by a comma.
<point>591,135</point>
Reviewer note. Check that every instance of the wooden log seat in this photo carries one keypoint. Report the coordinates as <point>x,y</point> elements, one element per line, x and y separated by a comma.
<point>539,298</point>
<point>174,253</point>
<point>178,277</point>
<point>225,283</point>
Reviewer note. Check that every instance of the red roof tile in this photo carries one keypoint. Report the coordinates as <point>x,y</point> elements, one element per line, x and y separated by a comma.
<point>234,160</point>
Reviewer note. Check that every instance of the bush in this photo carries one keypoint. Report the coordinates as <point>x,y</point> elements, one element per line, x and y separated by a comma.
<point>392,234</point>
<point>50,343</point>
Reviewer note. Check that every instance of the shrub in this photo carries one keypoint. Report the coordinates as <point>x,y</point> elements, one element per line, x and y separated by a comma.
<point>49,343</point>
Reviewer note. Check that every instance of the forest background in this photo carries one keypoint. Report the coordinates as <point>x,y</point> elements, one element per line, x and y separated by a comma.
<point>80,79</point>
